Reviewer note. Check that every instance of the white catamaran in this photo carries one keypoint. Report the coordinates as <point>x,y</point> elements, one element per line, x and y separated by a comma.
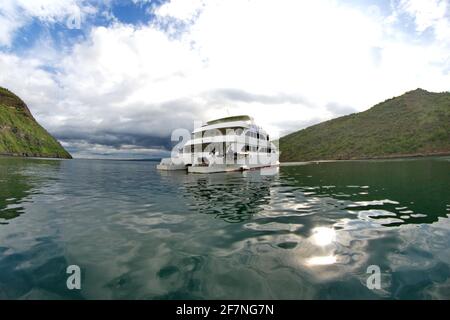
<point>226,144</point>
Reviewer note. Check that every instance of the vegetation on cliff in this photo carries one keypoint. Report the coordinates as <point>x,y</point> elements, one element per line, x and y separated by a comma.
<point>21,134</point>
<point>416,123</point>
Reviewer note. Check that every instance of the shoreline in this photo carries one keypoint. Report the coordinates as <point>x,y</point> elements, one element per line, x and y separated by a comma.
<point>18,156</point>
<point>282,164</point>
<point>393,157</point>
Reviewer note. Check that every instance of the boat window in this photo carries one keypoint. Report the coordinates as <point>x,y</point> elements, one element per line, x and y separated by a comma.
<point>220,132</point>
<point>239,131</point>
<point>213,133</point>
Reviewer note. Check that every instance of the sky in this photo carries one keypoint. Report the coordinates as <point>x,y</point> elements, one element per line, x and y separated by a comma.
<point>114,78</point>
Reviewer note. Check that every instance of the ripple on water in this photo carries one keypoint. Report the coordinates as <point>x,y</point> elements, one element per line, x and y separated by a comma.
<point>307,232</point>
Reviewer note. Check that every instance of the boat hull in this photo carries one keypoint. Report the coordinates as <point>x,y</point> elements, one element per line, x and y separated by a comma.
<point>171,167</point>
<point>226,168</point>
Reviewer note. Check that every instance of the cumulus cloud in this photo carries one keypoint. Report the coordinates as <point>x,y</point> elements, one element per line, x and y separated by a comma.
<point>429,14</point>
<point>15,14</point>
<point>184,10</point>
<point>232,95</point>
<point>289,64</point>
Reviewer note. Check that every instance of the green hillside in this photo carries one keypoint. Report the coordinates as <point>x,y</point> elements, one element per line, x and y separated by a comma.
<point>20,134</point>
<point>416,123</point>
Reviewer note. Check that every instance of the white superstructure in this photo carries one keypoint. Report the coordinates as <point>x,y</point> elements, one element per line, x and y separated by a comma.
<point>226,144</point>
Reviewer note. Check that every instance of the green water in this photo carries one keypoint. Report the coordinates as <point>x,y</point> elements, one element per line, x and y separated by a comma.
<point>308,232</point>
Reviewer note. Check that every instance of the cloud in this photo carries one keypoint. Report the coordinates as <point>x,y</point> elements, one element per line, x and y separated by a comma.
<point>339,110</point>
<point>84,149</point>
<point>288,64</point>
<point>237,95</point>
<point>185,10</point>
<point>428,14</point>
<point>15,14</point>
<point>289,126</point>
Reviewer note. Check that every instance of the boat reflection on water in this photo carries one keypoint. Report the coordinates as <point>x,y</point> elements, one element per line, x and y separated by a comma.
<point>232,197</point>
<point>330,221</point>
<point>308,232</point>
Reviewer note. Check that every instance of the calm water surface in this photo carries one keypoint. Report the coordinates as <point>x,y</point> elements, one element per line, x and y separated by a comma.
<point>307,232</point>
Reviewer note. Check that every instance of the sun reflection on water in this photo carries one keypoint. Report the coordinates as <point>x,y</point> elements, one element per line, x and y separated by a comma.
<point>321,260</point>
<point>323,236</point>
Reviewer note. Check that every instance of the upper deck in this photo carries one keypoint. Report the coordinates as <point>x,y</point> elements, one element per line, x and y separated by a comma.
<point>242,121</point>
<point>230,119</point>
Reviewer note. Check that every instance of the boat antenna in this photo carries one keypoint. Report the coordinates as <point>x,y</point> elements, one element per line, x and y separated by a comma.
<point>228,112</point>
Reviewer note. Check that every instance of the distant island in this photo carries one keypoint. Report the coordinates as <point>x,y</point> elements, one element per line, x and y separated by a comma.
<point>21,135</point>
<point>416,123</point>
